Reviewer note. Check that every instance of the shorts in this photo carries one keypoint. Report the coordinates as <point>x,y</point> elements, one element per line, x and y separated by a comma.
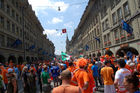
<point>109,89</point>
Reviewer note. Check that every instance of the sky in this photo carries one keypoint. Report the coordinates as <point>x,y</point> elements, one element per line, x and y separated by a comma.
<point>53,21</point>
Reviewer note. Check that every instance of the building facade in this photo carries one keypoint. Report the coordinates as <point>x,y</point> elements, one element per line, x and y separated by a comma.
<point>101,30</point>
<point>21,34</point>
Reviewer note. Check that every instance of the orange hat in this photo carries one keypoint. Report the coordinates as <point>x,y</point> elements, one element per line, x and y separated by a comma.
<point>82,62</point>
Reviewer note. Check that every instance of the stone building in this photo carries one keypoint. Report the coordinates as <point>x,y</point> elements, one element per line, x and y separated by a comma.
<point>21,34</point>
<point>101,30</point>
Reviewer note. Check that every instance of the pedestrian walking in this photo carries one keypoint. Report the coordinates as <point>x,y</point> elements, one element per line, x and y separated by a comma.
<point>81,77</point>
<point>107,74</point>
<point>120,75</point>
<point>12,86</point>
<point>25,79</point>
<point>45,78</point>
<point>2,85</point>
<point>32,81</point>
<point>95,73</point>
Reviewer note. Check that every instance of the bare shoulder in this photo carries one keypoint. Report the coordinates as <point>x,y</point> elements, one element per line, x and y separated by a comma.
<point>56,90</point>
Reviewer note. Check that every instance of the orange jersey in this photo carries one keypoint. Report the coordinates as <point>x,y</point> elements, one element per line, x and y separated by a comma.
<point>106,73</point>
<point>91,82</point>
<point>81,76</point>
<point>138,67</point>
<point>22,66</point>
<point>71,68</point>
<point>4,75</point>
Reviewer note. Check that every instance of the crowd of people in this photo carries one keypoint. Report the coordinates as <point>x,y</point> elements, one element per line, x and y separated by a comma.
<point>77,75</point>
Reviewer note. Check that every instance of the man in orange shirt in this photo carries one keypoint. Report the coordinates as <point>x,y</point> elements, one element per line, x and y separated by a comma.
<point>91,79</point>
<point>107,74</point>
<point>138,66</point>
<point>81,76</point>
<point>4,75</point>
<point>71,67</point>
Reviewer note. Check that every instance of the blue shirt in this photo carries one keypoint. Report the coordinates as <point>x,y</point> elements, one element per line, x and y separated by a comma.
<point>137,92</point>
<point>54,71</point>
<point>95,70</point>
<point>65,66</point>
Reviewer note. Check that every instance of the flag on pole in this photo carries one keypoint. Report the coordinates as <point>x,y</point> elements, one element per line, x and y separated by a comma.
<point>86,47</point>
<point>64,31</point>
<point>127,27</point>
<point>31,47</point>
<point>64,56</point>
<point>16,43</point>
<point>39,49</point>
<point>98,39</point>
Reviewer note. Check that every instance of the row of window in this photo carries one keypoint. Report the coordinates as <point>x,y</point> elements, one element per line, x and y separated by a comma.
<point>11,27</point>
<point>114,3</point>
<point>16,16</point>
<point>10,42</point>
<point>121,13</point>
<point>118,35</point>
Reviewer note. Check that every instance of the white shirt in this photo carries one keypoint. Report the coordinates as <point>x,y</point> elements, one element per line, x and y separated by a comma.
<point>128,62</point>
<point>120,74</point>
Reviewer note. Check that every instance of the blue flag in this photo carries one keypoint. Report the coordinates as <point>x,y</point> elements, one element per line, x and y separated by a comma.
<point>129,54</point>
<point>31,47</point>
<point>16,43</point>
<point>39,49</point>
<point>86,47</point>
<point>43,53</point>
<point>98,39</point>
<point>127,27</point>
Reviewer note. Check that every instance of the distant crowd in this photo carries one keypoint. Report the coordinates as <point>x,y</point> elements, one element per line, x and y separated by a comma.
<point>77,75</point>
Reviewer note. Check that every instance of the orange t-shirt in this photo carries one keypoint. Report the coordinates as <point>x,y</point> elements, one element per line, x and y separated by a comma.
<point>4,72</point>
<point>81,76</point>
<point>66,89</point>
<point>91,82</point>
<point>106,73</point>
<point>127,67</point>
<point>71,68</point>
<point>22,66</point>
<point>138,67</point>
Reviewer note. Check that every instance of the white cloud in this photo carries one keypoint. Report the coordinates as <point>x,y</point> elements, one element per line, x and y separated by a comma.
<point>69,25</point>
<point>56,20</point>
<point>48,4</point>
<point>52,32</point>
<point>57,52</point>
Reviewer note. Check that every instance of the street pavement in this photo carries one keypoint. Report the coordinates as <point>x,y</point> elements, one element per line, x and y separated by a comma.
<point>20,87</point>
